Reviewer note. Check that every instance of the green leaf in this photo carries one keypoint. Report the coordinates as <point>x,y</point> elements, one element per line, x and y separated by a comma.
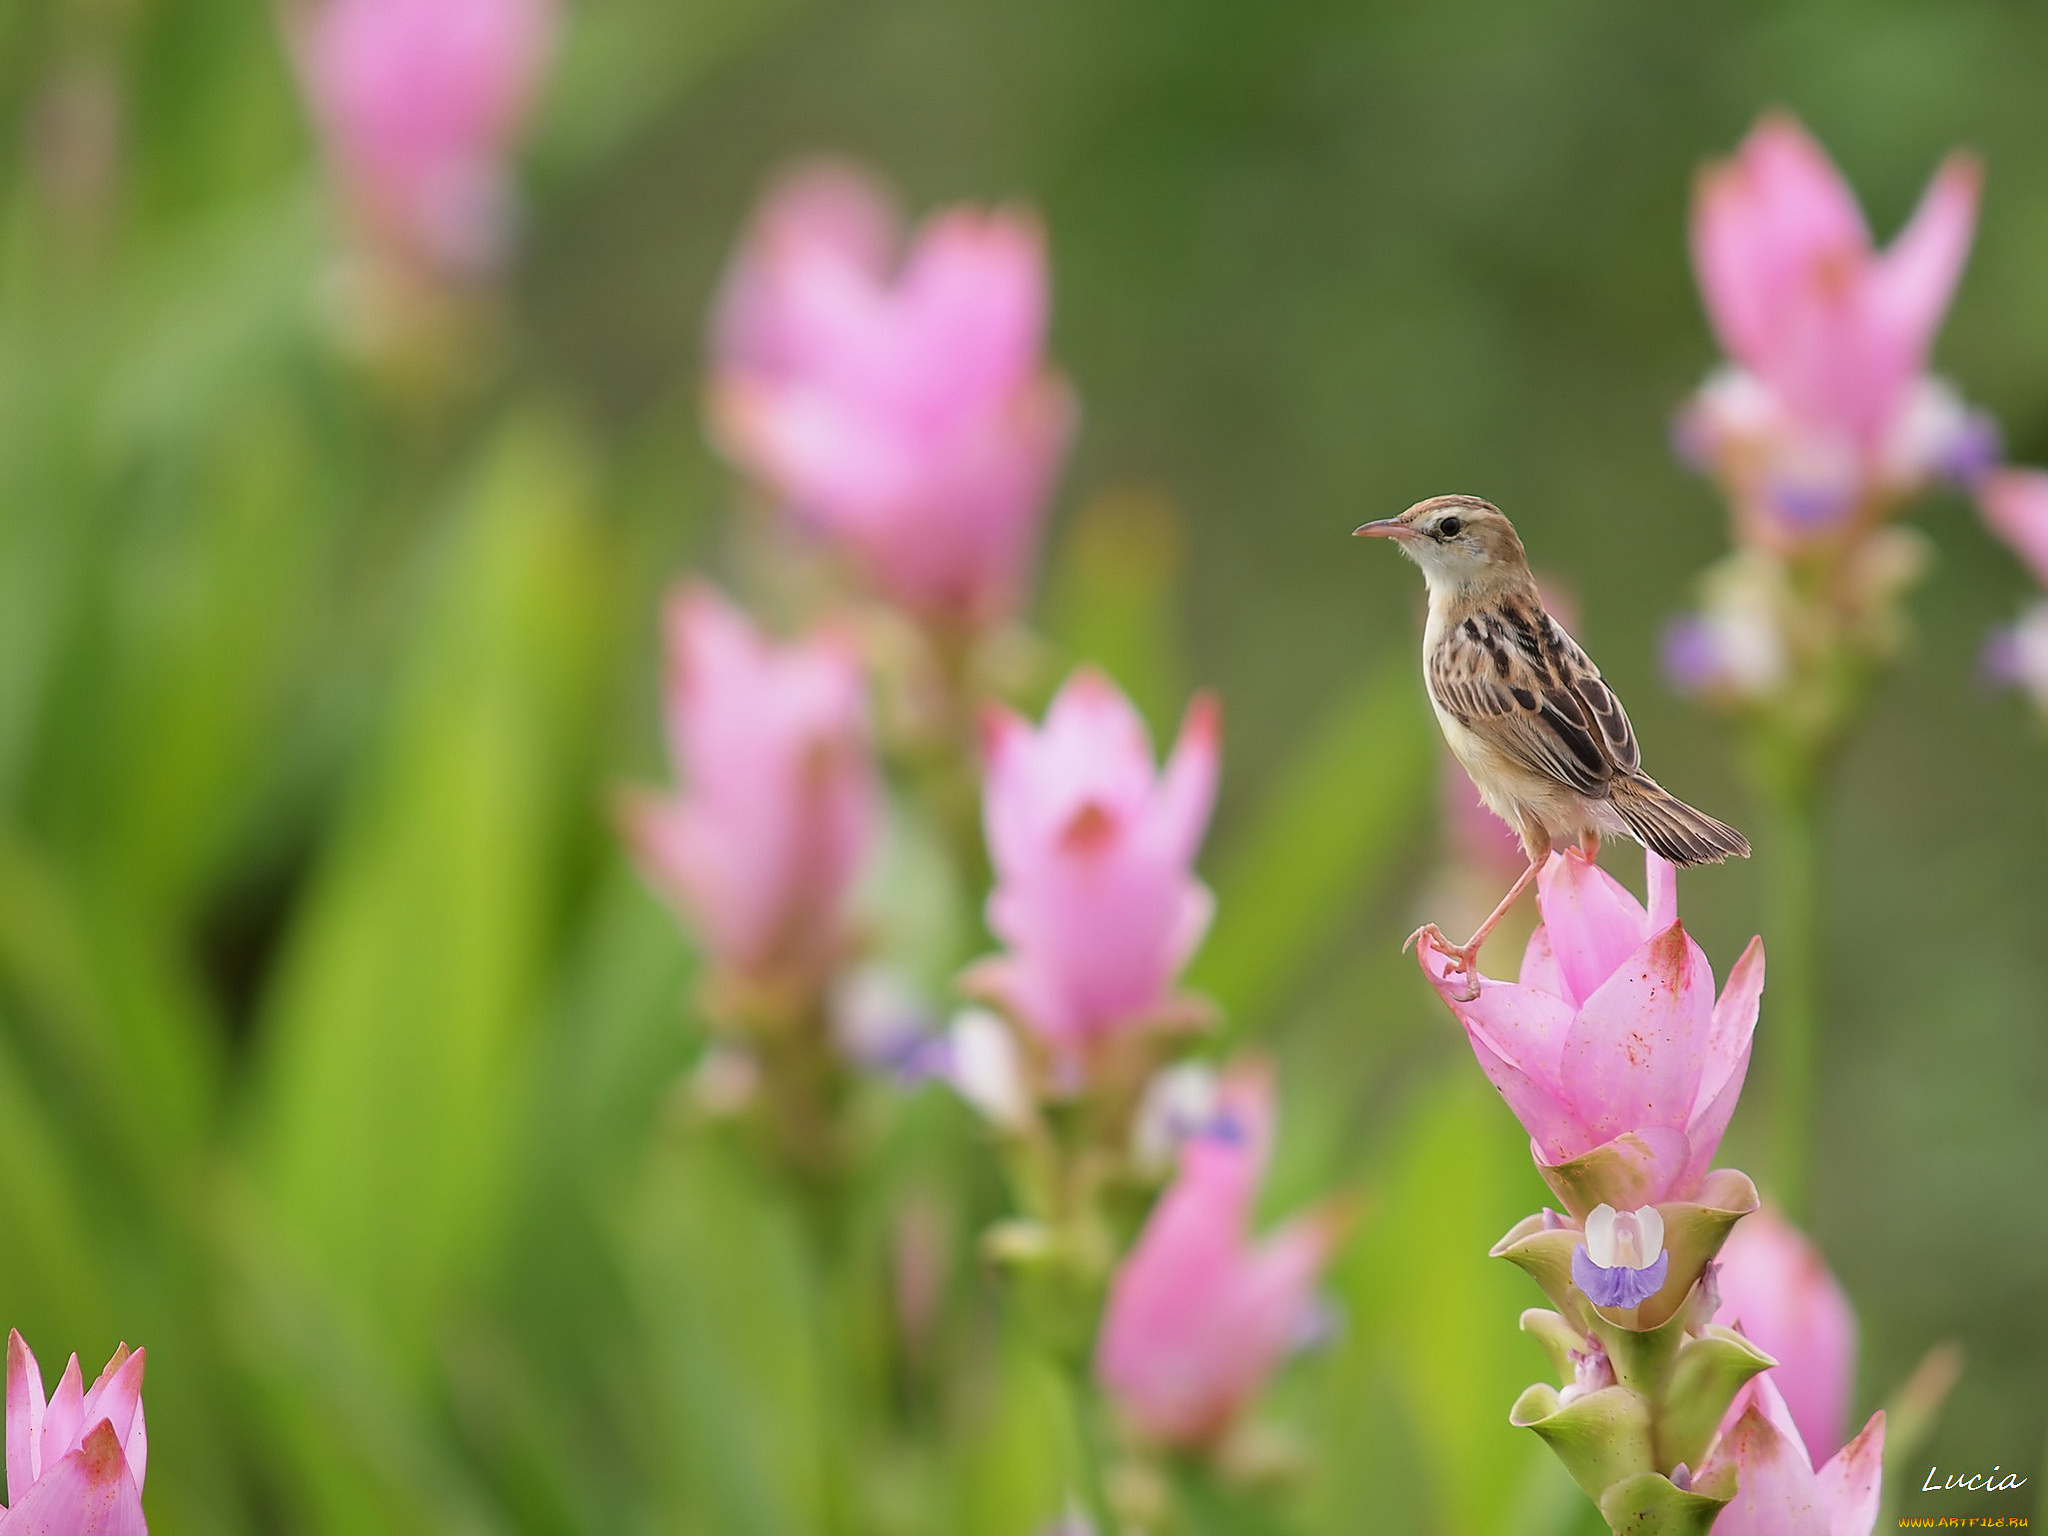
<point>1651,1505</point>
<point>1558,1338</point>
<point>407,997</point>
<point>1601,1438</point>
<point>1705,1377</point>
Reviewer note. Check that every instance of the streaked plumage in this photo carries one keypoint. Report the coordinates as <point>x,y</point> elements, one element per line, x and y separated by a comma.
<point>1524,708</point>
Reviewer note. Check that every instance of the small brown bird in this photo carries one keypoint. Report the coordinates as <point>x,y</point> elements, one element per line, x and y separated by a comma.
<point>1525,711</point>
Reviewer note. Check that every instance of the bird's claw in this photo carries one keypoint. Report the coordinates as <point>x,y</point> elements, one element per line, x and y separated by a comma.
<point>1462,959</point>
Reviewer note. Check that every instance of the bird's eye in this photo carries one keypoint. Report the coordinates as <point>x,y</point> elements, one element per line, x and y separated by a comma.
<point>1450,528</point>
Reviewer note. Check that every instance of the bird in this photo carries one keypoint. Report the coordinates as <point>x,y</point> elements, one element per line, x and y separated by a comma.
<point>1526,713</point>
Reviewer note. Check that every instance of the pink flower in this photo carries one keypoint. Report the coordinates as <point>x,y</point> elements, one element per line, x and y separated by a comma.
<point>1774,1283</point>
<point>417,103</point>
<point>2015,504</point>
<point>1829,401</point>
<point>1094,852</point>
<point>1612,1042</point>
<point>898,404</point>
<point>779,799</point>
<point>1778,1490</point>
<point>74,1464</point>
<point>1198,1317</point>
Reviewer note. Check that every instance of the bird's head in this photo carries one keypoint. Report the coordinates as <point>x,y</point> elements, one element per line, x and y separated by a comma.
<point>1460,542</point>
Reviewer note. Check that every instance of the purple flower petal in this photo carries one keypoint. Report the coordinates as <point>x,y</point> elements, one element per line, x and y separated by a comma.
<point>1620,1286</point>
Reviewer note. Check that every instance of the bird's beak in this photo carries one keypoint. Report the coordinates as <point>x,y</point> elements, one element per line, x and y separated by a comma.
<point>1385,528</point>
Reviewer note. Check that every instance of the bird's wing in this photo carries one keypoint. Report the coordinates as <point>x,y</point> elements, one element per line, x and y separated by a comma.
<point>1509,672</point>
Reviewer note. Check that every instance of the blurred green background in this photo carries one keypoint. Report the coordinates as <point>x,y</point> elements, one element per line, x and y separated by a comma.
<point>338,1047</point>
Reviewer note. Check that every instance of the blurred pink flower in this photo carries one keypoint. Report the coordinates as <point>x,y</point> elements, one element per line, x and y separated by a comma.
<point>1779,1492</point>
<point>898,401</point>
<point>1774,1283</point>
<point>1094,852</point>
<point>779,798</point>
<point>1198,1317</point>
<point>74,1464</point>
<point>1828,402</point>
<point>1613,1031</point>
<point>2015,504</point>
<point>418,104</point>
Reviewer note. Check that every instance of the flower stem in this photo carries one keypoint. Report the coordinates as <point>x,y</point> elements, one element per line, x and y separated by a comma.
<point>1792,935</point>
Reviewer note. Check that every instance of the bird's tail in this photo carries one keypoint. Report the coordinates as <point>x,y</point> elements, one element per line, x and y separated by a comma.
<point>1670,828</point>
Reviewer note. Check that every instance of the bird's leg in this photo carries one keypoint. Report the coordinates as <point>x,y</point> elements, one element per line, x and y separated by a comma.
<point>1589,845</point>
<point>1465,957</point>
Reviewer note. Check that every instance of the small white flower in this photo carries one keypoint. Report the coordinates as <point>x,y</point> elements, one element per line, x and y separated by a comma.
<point>1178,1102</point>
<point>988,1070</point>
<point>1624,1239</point>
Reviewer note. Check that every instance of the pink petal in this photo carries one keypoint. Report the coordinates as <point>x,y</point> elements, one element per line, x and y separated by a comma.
<point>1851,1482</point>
<point>2015,504</point>
<point>1915,279</point>
<point>1593,922</point>
<point>136,1448</point>
<point>118,1392</point>
<point>1776,1492</point>
<point>973,294</point>
<point>65,1420</point>
<point>89,1492</point>
<point>821,210</point>
<point>1761,224</point>
<point>1540,969</point>
<point>1734,1021</point>
<point>24,1418</point>
<point>1661,880</point>
<point>1727,1058</point>
<point>1503,1022</point>
<point>1636,1052</point>
<point>1188,789</point>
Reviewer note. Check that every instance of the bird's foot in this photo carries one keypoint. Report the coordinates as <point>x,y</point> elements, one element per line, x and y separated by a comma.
<point>1463,958</point>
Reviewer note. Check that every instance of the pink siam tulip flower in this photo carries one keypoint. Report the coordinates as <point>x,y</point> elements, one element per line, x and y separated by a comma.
<point>1198,1316</point>
<point>1612,1043</point>
<point>1774,1284</point>
<point>418,104</point>
<point>74,1464</point>
<point>1094,853</point>
<point>897,401</point>
<point>1828,404</point>
<point>779,801</point>
<point>1779,1491</point>
<point>2015,504</point>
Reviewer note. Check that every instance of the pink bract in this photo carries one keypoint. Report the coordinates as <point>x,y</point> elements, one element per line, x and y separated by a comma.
<point>2015,504</point>
<point>779,799</point>
<point>1612,1040</point>
<point>1096,898</point>
<point>896,400</point>
<point>1199,1315</point>
<point>1779,1492</point>
<point>75,1464</point>
<point>418,104</point>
